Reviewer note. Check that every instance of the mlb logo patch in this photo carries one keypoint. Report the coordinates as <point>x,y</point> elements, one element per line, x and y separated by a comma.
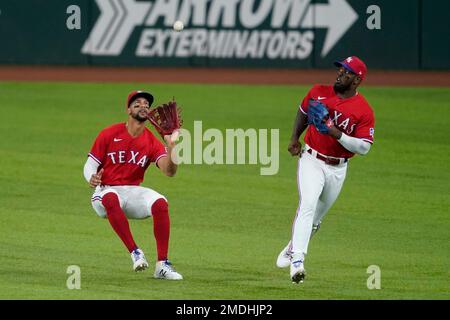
<point>371,132</point>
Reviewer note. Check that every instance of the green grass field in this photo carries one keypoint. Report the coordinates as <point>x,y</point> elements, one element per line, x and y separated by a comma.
<point>228,222</point>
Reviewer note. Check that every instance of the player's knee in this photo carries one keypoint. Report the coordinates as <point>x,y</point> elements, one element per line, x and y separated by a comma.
<point>160,206</point>
<point>110,200</point>
<point>307,209</point>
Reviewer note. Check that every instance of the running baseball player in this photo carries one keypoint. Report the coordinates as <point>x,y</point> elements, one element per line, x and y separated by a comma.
<point>340,123</point>
<point>115,167</point>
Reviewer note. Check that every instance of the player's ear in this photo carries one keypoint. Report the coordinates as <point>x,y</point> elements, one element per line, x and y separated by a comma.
<point>357,81</point>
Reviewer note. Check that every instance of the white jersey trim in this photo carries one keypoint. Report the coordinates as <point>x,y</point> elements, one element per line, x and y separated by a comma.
<point>303,111</point>
<point>93,157</point>
<point>161,156</point>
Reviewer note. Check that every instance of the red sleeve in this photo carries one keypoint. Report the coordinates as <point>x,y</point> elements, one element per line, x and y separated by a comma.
<point>98,150</point>
<point>158,150</point>
<point>305,103</point>
<point>365,129</point>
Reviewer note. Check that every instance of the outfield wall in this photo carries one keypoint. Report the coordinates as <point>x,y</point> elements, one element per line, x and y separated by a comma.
<point>400,34</point>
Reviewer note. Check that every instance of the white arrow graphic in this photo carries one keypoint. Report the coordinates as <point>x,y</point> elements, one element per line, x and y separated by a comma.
<point>114,26</point>
<point>338,16</point>
<point>118,19</point>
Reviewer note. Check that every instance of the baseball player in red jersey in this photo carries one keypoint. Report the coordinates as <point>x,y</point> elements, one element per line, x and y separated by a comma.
<point>340,123</point>
<point>115,167</point>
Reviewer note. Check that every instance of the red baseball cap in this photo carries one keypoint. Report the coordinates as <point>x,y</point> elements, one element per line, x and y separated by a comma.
<point>353,64</point>
<point>138,93</point>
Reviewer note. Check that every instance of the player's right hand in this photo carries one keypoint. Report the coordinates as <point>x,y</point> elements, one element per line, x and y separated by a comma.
<point>96,179</point>
<point>295,148</point>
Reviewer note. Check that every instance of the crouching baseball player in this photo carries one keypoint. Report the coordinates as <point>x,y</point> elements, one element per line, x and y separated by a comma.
<point>340,124</point>
<point>115,167</point>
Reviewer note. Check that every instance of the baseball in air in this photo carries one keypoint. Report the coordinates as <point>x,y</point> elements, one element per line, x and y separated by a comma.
<point>178,25</point>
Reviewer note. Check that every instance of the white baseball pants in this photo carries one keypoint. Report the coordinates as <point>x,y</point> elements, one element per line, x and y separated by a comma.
<point>319,185</point>
<point>135,201</point>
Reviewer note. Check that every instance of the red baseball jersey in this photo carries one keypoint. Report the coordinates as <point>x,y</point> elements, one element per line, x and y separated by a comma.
<point>353,116</point>
<point>125,158</point>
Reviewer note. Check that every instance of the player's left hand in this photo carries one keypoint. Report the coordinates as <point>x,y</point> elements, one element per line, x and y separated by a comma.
<point>334,132</point>
<point>319,117</point>
<point>325,126</point>
<point>166,118</point>
<point>171,139</point>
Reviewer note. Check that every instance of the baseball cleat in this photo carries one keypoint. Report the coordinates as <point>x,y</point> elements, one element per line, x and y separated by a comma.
<point>139,261</point>
<point>165,270</point>
<point>284,258</point>
<point>297,269</point>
